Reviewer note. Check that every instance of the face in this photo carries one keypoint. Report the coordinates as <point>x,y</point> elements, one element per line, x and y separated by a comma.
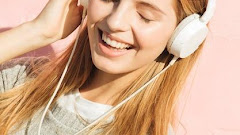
<point>126,35</point>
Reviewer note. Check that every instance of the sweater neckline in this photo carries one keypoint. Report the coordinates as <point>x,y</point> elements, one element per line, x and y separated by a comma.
<point>86,109</point>
<point>79,97</point>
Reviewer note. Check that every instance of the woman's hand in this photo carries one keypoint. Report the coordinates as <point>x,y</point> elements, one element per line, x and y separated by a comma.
<point>58,19</point>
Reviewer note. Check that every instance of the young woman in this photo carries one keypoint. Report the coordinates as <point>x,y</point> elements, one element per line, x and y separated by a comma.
<point>121,46</point>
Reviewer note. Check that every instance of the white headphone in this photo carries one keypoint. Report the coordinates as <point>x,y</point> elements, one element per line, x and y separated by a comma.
<point>191,32</point>
<point>187,37</point>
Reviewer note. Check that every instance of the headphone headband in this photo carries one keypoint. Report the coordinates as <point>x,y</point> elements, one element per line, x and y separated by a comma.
<point>208,14</point>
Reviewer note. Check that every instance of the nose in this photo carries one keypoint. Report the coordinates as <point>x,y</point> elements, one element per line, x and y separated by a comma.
<point>118,20</point>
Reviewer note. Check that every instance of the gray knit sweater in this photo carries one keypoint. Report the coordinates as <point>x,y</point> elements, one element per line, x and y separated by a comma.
<point>58,121</point>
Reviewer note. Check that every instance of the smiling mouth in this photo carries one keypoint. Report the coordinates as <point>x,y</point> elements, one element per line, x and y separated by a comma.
<point>111,46</point>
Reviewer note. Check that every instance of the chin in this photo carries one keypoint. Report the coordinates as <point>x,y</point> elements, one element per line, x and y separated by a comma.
<point>110,68</point>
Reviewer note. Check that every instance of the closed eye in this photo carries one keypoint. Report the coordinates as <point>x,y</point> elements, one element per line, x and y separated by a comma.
<point>144,19</point>
<point>110,0</point>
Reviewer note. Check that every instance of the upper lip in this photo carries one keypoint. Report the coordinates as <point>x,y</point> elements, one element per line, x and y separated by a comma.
<point>115,38</point>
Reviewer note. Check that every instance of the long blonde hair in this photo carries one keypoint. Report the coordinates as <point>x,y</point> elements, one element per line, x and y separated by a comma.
<point>149,112</point>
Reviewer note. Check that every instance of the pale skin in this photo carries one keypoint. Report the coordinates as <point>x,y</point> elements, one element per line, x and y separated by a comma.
<point>121,19</point>
<point>149,39</point>
<point>57,20</point>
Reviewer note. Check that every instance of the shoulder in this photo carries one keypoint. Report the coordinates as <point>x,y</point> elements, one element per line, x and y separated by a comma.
<point>15,71</point>
<point>23,61</point>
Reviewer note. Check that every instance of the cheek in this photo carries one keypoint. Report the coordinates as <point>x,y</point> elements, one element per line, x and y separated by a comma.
<point>93,15</point>
<point>153,38</point>
<point>97,10</point>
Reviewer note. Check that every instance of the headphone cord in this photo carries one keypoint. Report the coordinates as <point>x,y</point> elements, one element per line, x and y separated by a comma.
<point>131,96</point>
<point>114,108</point>
<point>62,76</point>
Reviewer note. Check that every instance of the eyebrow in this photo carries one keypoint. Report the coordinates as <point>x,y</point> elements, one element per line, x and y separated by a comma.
<point>150,5</point>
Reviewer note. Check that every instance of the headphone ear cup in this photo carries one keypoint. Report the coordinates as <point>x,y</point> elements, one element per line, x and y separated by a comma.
<point>187,37</point>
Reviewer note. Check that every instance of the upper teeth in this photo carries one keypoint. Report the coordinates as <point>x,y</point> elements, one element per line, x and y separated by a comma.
<point>114,43</point>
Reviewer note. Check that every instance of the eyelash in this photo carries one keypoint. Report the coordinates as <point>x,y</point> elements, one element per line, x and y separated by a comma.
<point>144,19</point>
<point>110,0</point>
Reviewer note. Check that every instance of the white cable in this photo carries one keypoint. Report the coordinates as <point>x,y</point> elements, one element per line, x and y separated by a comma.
<point>205,18</point>
<point>131,96</point>
<point>63,74</point>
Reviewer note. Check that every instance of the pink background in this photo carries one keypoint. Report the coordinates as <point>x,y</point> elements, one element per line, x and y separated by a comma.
<point>209,104</point>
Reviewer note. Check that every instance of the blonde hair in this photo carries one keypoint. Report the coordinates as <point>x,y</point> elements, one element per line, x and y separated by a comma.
<point>149,112</point>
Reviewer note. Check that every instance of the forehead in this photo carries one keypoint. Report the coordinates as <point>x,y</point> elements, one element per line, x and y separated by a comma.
<point>168,7</point>
<point>157,2</point>
<point>164,5</point>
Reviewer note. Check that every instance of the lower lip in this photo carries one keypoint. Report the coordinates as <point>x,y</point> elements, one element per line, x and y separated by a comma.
<point>106,49</point>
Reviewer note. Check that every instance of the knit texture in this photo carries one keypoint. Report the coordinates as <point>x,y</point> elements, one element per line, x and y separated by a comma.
<point>58,121</point>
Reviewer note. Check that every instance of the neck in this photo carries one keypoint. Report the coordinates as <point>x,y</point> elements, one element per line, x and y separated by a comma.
<point>104,86</point>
